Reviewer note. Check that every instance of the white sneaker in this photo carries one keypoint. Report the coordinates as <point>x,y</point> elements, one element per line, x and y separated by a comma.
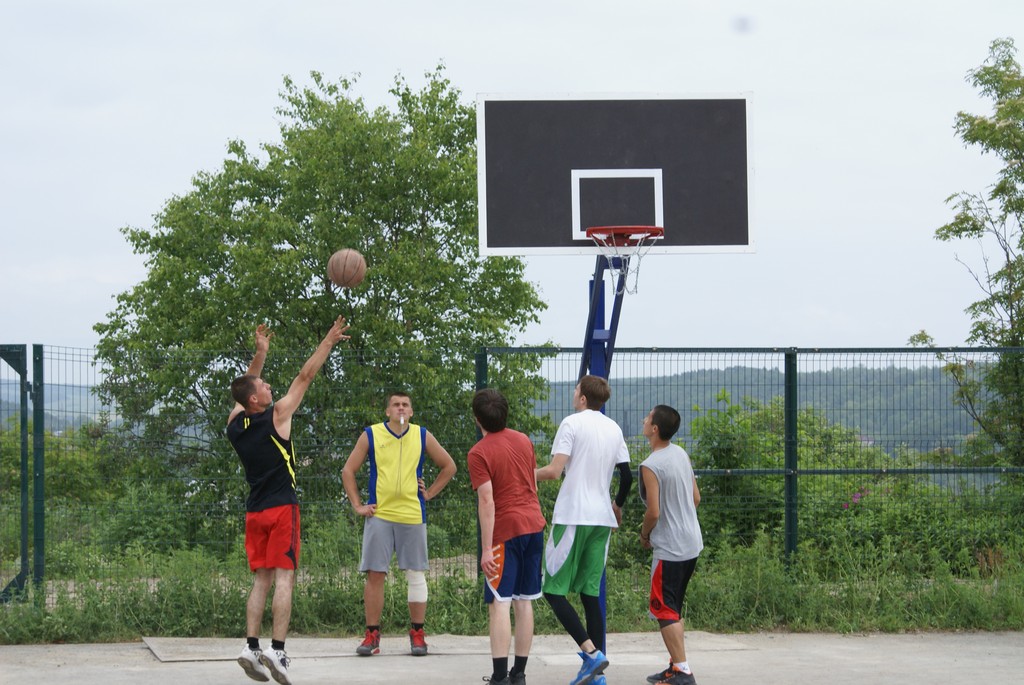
<point>250,662</point>
<point>276,660</point>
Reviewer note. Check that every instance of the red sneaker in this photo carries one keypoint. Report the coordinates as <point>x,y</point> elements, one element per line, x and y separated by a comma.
<point>417,642</point>
<point>371,644</point>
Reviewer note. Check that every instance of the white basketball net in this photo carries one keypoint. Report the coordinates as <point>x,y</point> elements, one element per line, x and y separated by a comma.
<point>622,253</point>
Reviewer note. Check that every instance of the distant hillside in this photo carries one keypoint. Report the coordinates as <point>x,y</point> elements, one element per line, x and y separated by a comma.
<point>66,406</point>
<point>888,407</point>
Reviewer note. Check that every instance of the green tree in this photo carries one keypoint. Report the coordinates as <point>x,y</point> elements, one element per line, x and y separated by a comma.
<point>736,437</point>
<point>250,242</point>
<point>993,220</point>
<point>749,435</point>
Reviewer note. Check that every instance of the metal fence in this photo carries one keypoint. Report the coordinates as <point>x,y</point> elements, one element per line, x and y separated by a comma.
<point>805,446</point>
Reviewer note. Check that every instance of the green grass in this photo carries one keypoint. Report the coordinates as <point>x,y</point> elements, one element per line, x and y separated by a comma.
<point>873,587</point>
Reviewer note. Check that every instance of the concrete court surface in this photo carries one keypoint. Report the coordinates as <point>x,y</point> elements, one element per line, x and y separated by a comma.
<point>716,659</point>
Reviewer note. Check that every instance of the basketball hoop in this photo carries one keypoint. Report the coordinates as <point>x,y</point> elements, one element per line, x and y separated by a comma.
<point>623,247</point>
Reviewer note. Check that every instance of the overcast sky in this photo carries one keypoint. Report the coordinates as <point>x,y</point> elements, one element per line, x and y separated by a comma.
<point>111,107</point>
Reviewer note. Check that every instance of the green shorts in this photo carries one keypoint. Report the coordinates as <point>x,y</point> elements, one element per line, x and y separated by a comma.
<point>574,559</point>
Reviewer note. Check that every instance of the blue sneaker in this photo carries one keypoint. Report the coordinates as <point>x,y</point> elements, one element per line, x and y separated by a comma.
<point>599,680</point>
<point>593,666</point>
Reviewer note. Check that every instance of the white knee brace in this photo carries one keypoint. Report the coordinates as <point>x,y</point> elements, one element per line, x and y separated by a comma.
<point>417,581</point>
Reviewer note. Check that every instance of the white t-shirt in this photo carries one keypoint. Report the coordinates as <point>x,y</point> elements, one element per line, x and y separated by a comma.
<point>595,445</point>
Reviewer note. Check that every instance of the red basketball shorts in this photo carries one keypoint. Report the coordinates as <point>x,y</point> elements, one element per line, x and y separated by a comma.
<point>272,537</point>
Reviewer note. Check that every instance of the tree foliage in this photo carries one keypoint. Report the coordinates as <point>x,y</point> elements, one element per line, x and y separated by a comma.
<point>250,242</point>
<point>838,511</point>
<point>731,436</point>
<point>993,220</point>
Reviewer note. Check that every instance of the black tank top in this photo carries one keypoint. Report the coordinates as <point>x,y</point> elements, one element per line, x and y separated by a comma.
<point>268,460</point>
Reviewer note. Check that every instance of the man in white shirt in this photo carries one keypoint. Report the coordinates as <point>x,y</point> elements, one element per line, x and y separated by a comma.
<point>589,447</point>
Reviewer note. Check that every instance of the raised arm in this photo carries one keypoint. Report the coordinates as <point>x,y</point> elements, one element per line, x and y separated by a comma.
<point>263,336</point>
<point>286,406</point>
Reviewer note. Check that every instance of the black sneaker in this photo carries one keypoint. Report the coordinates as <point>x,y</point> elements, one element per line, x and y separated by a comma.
<point>517,678</point>
<point>680,678</point>
<point>503,681</point>
<point>662,676</point>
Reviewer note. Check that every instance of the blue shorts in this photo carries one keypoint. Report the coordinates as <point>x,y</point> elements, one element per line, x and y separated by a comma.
<point>518,576</point>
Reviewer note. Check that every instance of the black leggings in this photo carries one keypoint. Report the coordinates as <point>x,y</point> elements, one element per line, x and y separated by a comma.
<point>570,620</point>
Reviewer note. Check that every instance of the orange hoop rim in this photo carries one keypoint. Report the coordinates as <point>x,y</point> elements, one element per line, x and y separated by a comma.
<point>624,236</point>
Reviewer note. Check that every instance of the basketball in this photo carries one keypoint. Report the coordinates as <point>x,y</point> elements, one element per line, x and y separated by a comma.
<point>346,268</point>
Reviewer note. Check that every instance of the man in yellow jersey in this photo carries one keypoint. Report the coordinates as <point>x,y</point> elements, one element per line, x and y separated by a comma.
<point>395,512</point>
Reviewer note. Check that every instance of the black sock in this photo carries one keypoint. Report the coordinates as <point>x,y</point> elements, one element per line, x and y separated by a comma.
<point>377,628</point>
<point>500,669</point>
<point>277,645</point>
<point>417,626</point>
<point>519,666</point>
<point>254,643</point>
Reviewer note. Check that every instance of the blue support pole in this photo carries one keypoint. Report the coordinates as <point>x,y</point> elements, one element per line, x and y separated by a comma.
<point>599,342</point>
<point>598,346</point>
<point>595,320</point>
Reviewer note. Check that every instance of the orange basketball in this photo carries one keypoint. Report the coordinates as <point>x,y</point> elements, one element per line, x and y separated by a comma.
<point>346,268</point>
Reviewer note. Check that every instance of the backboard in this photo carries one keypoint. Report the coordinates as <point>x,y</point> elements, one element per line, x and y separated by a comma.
<point>549,168</point>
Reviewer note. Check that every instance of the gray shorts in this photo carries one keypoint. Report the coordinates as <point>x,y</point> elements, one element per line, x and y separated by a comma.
<point>382,539</point>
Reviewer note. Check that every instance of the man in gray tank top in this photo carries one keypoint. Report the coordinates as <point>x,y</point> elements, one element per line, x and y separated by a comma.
<point>670,527</point>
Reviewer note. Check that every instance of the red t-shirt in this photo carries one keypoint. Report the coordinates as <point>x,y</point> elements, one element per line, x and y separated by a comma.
<point>506,458</point>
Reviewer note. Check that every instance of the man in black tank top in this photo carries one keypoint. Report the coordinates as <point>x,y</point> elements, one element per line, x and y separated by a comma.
<point>260,431</point>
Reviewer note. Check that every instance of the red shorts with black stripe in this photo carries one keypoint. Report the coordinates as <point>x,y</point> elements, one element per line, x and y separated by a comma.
<point>668,587</point>
<point>272,537</point>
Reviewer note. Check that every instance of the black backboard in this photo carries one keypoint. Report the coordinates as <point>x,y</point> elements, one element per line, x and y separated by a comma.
<point>551,168</point>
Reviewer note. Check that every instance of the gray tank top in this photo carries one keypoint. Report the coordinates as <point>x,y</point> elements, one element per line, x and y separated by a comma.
<point>676,537</point>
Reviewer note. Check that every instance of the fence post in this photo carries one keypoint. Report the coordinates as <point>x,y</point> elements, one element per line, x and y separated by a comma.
<point>481,383</point>
<point>791,460</point>
<point>481,368</point>
<point>16,356</point>
<point>38,471</point>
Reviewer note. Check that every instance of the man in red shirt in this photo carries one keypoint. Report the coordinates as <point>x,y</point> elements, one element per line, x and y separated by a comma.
<point>501,469</point>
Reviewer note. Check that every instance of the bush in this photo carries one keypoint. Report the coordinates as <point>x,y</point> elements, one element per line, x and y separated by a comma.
<point>141,516</point>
